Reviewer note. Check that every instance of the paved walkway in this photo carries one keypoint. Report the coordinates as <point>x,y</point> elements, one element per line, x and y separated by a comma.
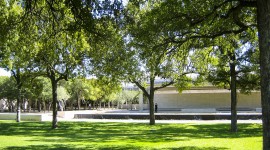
<point>161,121</point>
<point>69,116</point>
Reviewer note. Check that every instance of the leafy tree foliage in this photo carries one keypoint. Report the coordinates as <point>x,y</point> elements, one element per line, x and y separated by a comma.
<point>102,90</point>
<point>246,63</point>
<point>154,54</point>
<point>18,47</point>
<point>60,51</point>
<point>183,21</point>
<point>8,91</point>
<point>77,89</point>
<point>234,69</point>
<point>130,96</point>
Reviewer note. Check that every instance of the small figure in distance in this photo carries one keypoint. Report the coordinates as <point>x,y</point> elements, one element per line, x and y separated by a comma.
<point>156,107</point>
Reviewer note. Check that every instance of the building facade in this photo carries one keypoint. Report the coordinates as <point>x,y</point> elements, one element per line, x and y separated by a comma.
<point>205,99</point>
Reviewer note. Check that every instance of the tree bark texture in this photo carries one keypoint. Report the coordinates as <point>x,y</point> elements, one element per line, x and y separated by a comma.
<point>54,91</point>
<point>151,102</point>
<point>263,18</point>
<point>233,95</point>
<point>19,88</point>
<point>18,116</point>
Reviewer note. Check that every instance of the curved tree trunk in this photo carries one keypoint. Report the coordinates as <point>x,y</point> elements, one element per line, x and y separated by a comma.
<point>264,36</point>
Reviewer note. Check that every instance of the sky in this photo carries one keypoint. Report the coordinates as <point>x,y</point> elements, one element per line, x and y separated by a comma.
<point>4,73</point>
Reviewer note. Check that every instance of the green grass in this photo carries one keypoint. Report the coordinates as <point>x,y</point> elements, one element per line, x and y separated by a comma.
<point>106,136</point>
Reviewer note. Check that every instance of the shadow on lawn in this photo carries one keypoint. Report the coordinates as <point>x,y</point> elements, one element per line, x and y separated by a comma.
<point>71,147</point>
<point>41,147</point>
<point>100,135</point>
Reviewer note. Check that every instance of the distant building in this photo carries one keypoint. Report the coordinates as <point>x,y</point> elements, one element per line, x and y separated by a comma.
<point>205,99</point>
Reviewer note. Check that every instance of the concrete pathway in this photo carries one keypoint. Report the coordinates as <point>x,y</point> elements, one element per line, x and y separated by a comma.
<point>162,121</point>
<point>69,116</point>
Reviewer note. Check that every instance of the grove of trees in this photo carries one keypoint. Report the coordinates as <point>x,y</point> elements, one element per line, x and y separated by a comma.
<point>223,42</point>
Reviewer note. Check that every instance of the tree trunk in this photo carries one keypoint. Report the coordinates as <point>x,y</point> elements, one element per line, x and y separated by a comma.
<point>17,77</point>
<point>49,106</point>
<point>44,106</point>
<point>151,102</point>
<point>39,105</point>
<point>18,118</point>
<point>263,18</point>
<point>233,94</point>
<point>35,105</point>
<point>29,105</point>
<point>54,92</point>
<point>78,102</point>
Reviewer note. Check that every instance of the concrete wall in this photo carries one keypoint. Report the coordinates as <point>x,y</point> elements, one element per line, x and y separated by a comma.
<point>24,117</point>
<point>204,99</point>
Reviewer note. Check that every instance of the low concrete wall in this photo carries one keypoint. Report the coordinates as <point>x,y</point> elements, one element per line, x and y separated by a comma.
<point>182,116</point>
<point>205,110</point>
<point>66,114</point>
<point>24,117</point>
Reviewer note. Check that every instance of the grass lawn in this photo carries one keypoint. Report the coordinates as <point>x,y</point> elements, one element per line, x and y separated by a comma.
<point>139,136</point>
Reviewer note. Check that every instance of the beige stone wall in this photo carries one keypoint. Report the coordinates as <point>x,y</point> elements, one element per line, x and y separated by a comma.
<point>204,99</point>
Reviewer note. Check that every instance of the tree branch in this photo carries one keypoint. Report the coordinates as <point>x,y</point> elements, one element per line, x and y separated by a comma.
<point>140,86</point>
<point>164,85</point>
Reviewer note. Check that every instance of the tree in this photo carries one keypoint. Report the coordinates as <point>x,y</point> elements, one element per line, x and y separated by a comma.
<point>8,91</point>
<point>209,20</point>
<point>62,26</point>
<point>216,18</point>
<point>62,94</point>
<point>152,53</point>
<point>94,91</point>
<point>130,96</point>
<point>109,89</point>
<point>236,68</point>
<point>46,93</point>
<point>77,88</point>
<point>61,51</point>
<point>19,48</point>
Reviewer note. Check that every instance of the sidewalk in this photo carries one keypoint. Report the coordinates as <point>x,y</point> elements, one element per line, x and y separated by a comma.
<point>162,121</point>
<point>69,116</point>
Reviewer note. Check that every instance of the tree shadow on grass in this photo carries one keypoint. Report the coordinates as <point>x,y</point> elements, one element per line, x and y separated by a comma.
<point>213,131</point>
<point>126,147</point>
<point>71,147</point>
<point>198,148</point>
<point>100,134</point>
<point>42,147</point>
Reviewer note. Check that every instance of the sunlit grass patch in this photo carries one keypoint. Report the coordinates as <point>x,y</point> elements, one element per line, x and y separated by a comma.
<point>86,135</point>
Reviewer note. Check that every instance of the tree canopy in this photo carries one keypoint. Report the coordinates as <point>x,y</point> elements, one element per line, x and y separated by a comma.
<point>148,39</point>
